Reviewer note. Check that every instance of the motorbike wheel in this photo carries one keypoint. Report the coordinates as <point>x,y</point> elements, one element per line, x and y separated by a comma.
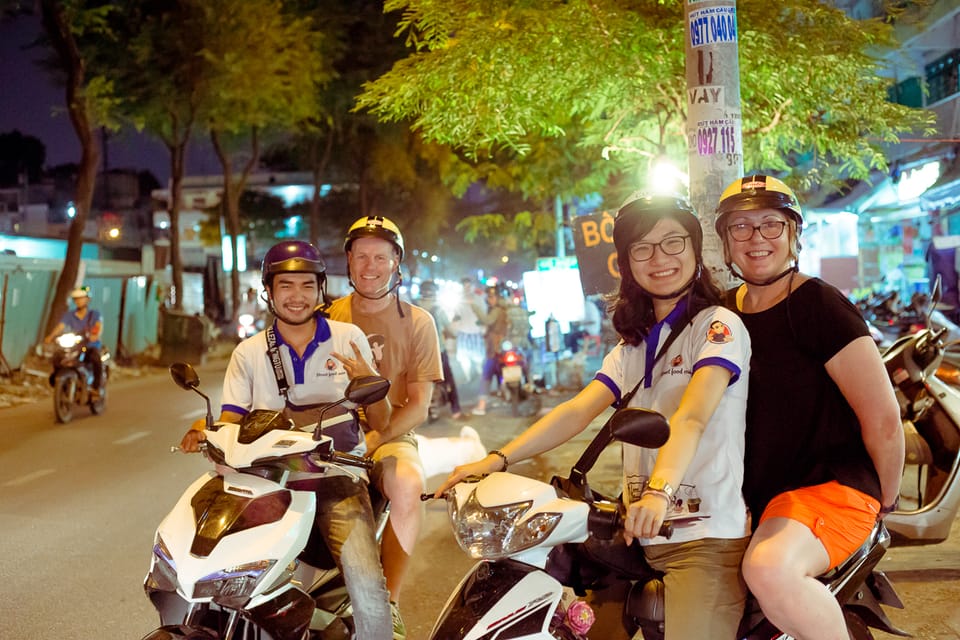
<point>99,406</point>
<point>514,399</point>
<point>64,390</point>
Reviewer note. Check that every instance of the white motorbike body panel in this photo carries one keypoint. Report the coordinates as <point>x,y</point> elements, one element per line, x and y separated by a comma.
<point>535,590</point>
<point>282,540</point>
<point>269,445</point>
<point>934,521</point>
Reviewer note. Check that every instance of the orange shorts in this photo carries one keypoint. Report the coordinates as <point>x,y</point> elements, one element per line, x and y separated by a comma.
<point>840,517</point>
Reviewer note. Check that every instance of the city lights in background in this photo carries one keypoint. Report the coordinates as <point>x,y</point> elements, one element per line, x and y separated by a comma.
<point>913,182</point>
<point>664,178</point>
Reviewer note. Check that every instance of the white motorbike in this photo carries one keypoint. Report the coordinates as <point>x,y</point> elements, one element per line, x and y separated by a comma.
<point>232,559</point>
<point>542,547</point>
<point>930,408</point>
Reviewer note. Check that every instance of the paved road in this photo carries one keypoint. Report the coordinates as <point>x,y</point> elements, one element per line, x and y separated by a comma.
<point>79,504</point>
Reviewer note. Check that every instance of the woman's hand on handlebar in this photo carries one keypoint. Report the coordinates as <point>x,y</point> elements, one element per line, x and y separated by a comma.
<point>192,438</point>
<point>479,468</point>
<point>645,517</point>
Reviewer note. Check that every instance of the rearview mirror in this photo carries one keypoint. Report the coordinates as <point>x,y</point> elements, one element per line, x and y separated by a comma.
<point>640,427</point>
<point>185,376</point>
<point>367,389</point>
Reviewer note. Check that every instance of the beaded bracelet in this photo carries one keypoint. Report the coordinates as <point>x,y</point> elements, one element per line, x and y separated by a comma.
<point>502,456</point>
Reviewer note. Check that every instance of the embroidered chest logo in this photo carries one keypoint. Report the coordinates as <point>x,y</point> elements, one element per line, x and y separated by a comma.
<point>719,333</point>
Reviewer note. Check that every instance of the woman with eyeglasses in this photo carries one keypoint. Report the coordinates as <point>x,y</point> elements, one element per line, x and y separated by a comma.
<point>686,356</point>
<point>824,440</point>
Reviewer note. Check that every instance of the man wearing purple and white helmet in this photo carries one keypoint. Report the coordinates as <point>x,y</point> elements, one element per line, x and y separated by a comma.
<point>318,357</point>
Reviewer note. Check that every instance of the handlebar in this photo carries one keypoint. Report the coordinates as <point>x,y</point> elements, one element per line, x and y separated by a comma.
<point>348,459</point>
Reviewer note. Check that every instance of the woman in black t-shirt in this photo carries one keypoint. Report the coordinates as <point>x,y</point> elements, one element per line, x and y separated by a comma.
<point>824,444</point>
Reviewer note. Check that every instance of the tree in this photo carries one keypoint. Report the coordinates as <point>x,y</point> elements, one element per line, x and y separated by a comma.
<point>265,70</point>
<point>490,75</point>
<point>20,157</point>
<point>163,79</point>
<point>67,25</point>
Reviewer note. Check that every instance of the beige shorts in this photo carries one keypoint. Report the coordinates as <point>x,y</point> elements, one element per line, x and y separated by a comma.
<point>401,450</point>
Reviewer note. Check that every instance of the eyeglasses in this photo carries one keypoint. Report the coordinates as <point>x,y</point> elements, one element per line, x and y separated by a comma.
<point>769,230</point>
<point>643,251</point>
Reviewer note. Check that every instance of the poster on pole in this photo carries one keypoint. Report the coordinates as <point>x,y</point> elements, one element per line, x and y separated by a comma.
<point>596,254</point>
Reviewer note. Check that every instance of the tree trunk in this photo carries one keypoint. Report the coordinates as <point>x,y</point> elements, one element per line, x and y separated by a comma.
<point>231,205</point>
<point>319,167</point>
<point>63,42</point>
<point>177,158</point>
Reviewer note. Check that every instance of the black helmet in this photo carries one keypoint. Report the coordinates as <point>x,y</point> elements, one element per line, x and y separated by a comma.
<point>375,227</point>
<point>291,256</point>
<point>758,192</point>
<point>640,212</point>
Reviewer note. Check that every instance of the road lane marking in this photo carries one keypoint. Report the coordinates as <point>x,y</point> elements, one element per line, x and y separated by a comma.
<point>132,437</point>
<point>30,477</point>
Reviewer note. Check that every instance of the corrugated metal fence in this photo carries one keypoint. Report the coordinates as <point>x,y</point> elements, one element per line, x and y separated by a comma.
<point>126,298</point>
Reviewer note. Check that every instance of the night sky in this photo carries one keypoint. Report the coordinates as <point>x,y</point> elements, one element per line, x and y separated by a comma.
<point>33,104</point>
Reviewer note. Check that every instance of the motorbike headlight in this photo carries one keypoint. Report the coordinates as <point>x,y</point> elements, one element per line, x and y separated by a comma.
<point>232,587</point>
<point>497,532</point>
<point>69,340</point>
<point>245,320</point>
<point>163,572</point>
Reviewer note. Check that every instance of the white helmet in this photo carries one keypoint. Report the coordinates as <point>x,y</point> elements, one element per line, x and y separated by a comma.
<point>80,292</point>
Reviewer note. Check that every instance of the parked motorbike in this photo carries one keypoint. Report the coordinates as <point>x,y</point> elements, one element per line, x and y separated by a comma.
<point>930,410</point>
<point>234,558</point>
<point>518,391</point>
<point>72,377</point>
<point>538,544</point>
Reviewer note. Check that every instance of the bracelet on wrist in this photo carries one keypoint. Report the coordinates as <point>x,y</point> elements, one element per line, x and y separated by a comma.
<point>502,456</point>
<point>656,492</point>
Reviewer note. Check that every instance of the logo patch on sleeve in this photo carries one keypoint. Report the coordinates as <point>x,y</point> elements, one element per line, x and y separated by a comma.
<point>719,333</point>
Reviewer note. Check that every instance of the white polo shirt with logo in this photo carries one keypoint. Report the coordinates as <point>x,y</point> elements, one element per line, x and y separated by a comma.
<point>712,485</point>
<point>249,382</point>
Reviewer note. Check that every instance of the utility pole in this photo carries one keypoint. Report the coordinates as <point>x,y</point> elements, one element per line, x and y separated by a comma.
<point>714,130</point>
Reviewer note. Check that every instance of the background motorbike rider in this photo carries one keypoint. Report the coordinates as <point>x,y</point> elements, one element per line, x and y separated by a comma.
<point>318,358</point>
<point>88,323</point>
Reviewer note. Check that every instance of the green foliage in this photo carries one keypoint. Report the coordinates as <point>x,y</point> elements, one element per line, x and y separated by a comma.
<point>492,75</point>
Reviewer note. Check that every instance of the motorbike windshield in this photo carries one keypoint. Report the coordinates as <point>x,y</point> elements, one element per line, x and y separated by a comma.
<point>260,421</point>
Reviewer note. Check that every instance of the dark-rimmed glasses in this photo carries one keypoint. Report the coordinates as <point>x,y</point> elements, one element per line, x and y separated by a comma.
<point>643,251</point>
<point>769,230</point>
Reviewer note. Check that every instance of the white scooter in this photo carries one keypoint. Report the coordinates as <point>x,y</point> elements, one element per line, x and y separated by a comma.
<point>541,547</point>
<point>232,560</point>
<point>930,407</point>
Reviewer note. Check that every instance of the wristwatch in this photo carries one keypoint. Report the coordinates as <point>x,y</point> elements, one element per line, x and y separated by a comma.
<point>659,484</point>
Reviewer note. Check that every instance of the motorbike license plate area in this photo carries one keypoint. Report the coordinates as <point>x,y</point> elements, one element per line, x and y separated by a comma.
<point>512,373</point>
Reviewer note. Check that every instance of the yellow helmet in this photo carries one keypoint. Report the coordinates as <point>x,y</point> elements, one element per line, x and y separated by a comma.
<point>758,192</point>
<point>375,227</point>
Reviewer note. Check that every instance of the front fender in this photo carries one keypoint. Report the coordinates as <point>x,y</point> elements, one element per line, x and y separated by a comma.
<point>60,372</point>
